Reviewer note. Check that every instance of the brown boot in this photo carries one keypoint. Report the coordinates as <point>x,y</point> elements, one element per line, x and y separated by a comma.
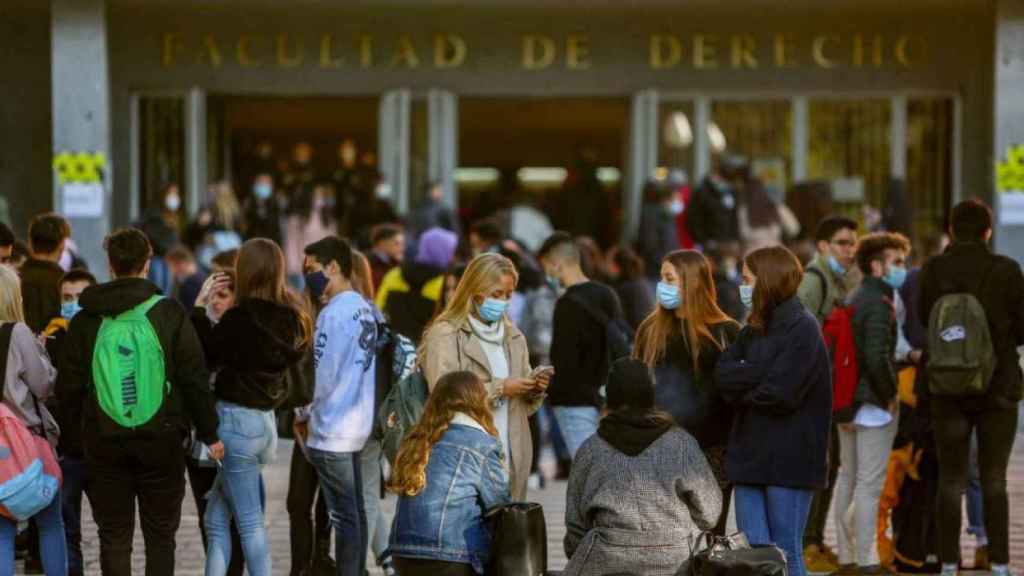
<point>815,560</point>
<point>981,561</point>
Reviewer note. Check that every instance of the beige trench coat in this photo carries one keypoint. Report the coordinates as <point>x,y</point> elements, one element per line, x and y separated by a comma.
<point>450,348</point>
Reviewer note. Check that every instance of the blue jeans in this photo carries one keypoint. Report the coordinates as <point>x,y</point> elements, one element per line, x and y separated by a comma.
<point>75,479</point>
<point>378,531</point>
<point>51,541</point>
<point>250,438</point>
<point>577,424</point>
<point>975,504</point>
<point>341,480</point>
<point>773,515</point>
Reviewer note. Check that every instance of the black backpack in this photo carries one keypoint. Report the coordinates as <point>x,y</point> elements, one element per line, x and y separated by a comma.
<point>617,334</point>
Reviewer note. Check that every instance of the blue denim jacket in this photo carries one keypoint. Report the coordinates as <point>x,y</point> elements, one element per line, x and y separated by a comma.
<point>466,476</point>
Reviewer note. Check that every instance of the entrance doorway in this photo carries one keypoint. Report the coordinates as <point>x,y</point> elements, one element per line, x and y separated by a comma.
<point>563,156</point>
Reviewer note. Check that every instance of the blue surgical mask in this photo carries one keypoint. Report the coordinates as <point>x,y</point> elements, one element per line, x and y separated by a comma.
<point>493,309</point>
<point>836,266</point>
<point>896,277</point>
<point>553,282</point>
<point>668,296</point>
<point>263,191</point>
<point>317,283</point>
<point>69,309</point>
<point>747,295</point>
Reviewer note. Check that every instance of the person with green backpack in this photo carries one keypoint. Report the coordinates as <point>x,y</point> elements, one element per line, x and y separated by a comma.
<point>132,378</point>
<point>974,302</point>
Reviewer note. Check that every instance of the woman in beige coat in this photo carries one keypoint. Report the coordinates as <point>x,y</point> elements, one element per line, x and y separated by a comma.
<point>473,333</point>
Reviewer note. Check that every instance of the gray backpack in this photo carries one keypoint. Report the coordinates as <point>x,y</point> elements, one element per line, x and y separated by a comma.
<point>961,357</point>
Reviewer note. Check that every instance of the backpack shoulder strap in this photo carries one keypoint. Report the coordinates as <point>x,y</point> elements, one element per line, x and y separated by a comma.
<point>141,309</point>
<point>824,288</point>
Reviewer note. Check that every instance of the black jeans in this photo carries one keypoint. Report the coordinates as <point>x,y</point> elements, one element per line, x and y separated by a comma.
<point>953,421</point>
<point>201,479</point>
<point>303,490</point>
<point>815,531</point>
<point>148,470</point>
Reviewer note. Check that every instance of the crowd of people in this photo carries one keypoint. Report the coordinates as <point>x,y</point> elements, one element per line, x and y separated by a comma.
<point>671,382</point>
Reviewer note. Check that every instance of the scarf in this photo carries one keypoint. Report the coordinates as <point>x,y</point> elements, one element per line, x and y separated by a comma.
<point>631,431</point>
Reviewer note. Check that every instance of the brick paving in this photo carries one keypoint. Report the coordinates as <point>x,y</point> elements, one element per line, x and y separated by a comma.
<point>191,556</point>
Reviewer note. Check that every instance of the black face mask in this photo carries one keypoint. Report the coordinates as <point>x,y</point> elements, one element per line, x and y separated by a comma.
<point>317,283</point>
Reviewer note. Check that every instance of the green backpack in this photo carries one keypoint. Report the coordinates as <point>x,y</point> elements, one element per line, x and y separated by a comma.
<point>961,357</point>
<point>128,367</point>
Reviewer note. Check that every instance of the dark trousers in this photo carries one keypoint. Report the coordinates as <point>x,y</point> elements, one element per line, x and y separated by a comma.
<point>307,537</point>
<point>201,479</point>
<point>421,567</point>
<point>815,532</point>
<point>150,471</point>
<point>953,421</point>
<point>76,479</point>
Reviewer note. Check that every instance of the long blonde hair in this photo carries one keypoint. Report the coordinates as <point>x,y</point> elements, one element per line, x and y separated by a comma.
<point>482,275</point>
<point>699,306</point>
<point>11,308</point>
<point>456,392</point>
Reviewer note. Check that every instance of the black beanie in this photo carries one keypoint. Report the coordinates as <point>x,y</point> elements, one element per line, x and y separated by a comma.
<point>630,385</point>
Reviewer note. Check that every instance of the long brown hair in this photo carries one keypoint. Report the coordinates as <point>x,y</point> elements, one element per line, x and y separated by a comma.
<point>362,276</point>
<point>699,310</point>
<point>778,273</point>
<point>456,392</point>
<point>260,274</point>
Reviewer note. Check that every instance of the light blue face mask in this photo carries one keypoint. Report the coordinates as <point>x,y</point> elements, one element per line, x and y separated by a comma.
<point>747,295</point>
<point>835,265</point>
<point>896,277</point>
<point>493,309</point>
<point>69,309</point>
<point>668,296</point>
<point>263,191</point>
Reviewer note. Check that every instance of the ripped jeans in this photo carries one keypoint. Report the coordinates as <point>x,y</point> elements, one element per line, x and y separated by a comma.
<point>341,481</point>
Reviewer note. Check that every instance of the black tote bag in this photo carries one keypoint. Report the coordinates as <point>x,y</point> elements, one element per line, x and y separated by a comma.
<point>733,556</point>
<point>519,540</point>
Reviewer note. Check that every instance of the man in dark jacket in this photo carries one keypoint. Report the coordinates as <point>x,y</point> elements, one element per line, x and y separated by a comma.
<point>712,213</point>
<point>968,265</point>
<point>40,274</point>
<point>578,343</point>
<point>145,463</point>
<point>868,427</point>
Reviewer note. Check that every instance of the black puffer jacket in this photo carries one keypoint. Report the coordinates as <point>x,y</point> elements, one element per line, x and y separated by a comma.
<point>252,348</point>
<point>874,335</point>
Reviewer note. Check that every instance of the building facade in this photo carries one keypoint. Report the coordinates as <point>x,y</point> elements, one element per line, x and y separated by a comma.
<point>857,94</point>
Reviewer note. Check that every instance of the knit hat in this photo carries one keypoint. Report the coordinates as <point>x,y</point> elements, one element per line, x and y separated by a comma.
<point>437,248</point>
<point>630,385</point>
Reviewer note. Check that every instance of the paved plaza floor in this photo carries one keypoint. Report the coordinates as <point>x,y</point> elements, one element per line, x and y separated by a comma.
<point>191,556</point>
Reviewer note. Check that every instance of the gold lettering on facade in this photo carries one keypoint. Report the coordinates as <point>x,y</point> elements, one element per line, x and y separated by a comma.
<point>859,51</point>
<point>534,43</point>
<point>365,42</point>
<point>242,53</point>
<point>705,52</point>
<point>665,51</point>
<point>327,59</point>
<point>784,51</point>
<point>906,54</point>
<point>818,51</point>
<point>577,52</point>
<point>449,51</point>
<point>743,47</point>
<point>405,53</point>
<point>284,59</point>
<point>210,52</point>
<point>172,46</point>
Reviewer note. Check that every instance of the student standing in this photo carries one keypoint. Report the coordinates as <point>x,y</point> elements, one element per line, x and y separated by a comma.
<point>776,375</point>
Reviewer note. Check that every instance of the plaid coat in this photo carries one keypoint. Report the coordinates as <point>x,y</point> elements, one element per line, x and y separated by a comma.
<point>638,515</point>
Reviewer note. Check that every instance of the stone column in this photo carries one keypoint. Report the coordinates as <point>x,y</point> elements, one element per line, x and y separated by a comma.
<point>1009,120</point>
<point>81,121</point>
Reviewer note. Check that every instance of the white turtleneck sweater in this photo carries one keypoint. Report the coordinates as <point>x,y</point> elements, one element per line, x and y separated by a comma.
<point>492,340</point>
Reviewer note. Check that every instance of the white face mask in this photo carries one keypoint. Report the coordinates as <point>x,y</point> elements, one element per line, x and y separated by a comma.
<point>383,191</point>
<point>173,202</point>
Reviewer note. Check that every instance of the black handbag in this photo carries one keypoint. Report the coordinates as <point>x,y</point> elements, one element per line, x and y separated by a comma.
<point>733,556</point>
<point>519,540</point>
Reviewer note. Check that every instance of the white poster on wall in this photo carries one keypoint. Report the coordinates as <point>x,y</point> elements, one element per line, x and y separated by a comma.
<point>83,200</point>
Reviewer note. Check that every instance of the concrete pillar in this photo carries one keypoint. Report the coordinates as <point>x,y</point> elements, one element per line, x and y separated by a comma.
<point>800,136</point>
<point>702,144</point>
<point>442,138</point>
<point>393,146</point>
<point>643,159</point>
<point>196,180</point>
<point>1009,120</point>
<point>81,119</point>
<point>898,138</point>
